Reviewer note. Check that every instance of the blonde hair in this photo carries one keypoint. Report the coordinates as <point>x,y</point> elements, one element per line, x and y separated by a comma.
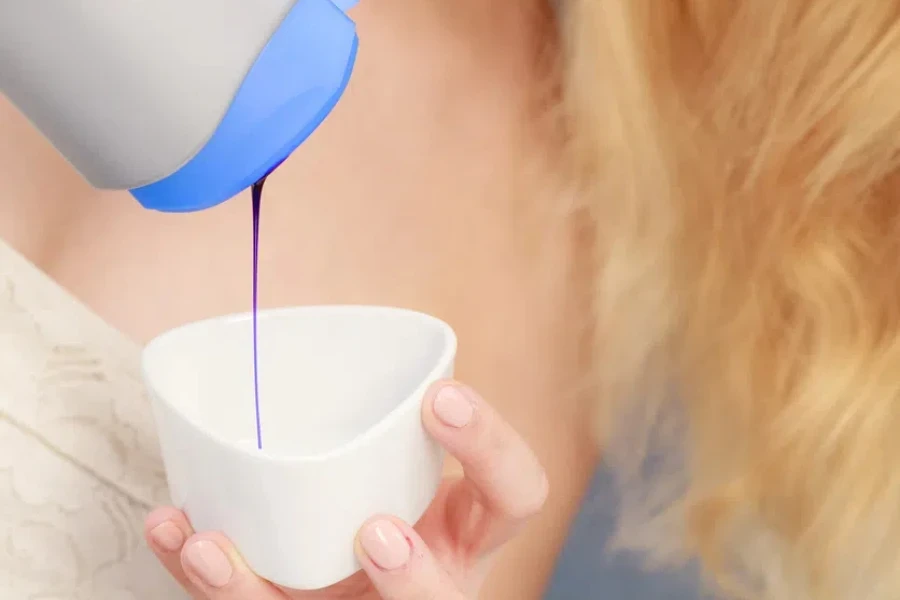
<point>740,159</point>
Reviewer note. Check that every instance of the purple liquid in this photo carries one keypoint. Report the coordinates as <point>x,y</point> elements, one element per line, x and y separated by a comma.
<point>257,198</point>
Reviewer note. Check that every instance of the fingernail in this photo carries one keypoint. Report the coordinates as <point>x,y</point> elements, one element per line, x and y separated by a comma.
<point>167,536</point>
<point>452,407</point>
<point>209,563</point>
<point>385,544</point>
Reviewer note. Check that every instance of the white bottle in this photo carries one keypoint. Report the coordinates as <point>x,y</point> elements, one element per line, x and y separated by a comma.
<point>183,102</point>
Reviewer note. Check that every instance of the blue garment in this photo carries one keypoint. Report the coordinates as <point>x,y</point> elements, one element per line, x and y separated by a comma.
<point>587,570</point>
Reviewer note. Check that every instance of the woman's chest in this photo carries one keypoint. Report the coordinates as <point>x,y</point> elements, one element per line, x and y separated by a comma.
<point>433,229</point>
<point>408,194</point>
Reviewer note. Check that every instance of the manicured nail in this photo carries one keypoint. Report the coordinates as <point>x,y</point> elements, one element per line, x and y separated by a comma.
<point>209,563</point>
<point>385,544</point>
<point>452,407</point>
<point>167,537</point>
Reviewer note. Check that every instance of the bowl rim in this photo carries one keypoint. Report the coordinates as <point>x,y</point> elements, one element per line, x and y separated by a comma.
<point>446,358</point>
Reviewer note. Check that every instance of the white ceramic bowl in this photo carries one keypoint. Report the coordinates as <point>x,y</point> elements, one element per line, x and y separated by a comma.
<point>340,392</point>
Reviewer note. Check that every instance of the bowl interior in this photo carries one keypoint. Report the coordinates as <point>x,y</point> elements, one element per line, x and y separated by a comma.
<point>326,374</point>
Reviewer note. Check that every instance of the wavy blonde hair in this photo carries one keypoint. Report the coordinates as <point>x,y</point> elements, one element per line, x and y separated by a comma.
<point>741,162</point>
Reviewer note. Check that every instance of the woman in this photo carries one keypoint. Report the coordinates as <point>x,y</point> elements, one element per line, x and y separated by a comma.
<point>410,194</point>
<point>733,166</point>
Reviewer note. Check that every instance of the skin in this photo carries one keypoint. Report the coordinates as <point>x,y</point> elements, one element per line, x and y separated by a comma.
<point>410,194</point>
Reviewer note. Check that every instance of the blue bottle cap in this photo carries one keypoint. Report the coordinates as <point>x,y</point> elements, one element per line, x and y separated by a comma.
<point>294,84</point>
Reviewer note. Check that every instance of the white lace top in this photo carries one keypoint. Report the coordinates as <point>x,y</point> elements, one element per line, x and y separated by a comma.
<point>79,465</point>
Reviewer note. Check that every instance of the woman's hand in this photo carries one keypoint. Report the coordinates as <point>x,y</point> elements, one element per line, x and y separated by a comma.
<point>442,558</point>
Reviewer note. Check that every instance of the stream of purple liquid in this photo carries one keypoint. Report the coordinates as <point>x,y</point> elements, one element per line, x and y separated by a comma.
<point>257,198</point>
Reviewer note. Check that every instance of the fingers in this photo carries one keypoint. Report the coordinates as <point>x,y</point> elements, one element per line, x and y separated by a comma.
<point>166,531</point>
<point>399,564</point>
<point>206,565</point>
<point>215,568</point>
<point>500,468</point>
